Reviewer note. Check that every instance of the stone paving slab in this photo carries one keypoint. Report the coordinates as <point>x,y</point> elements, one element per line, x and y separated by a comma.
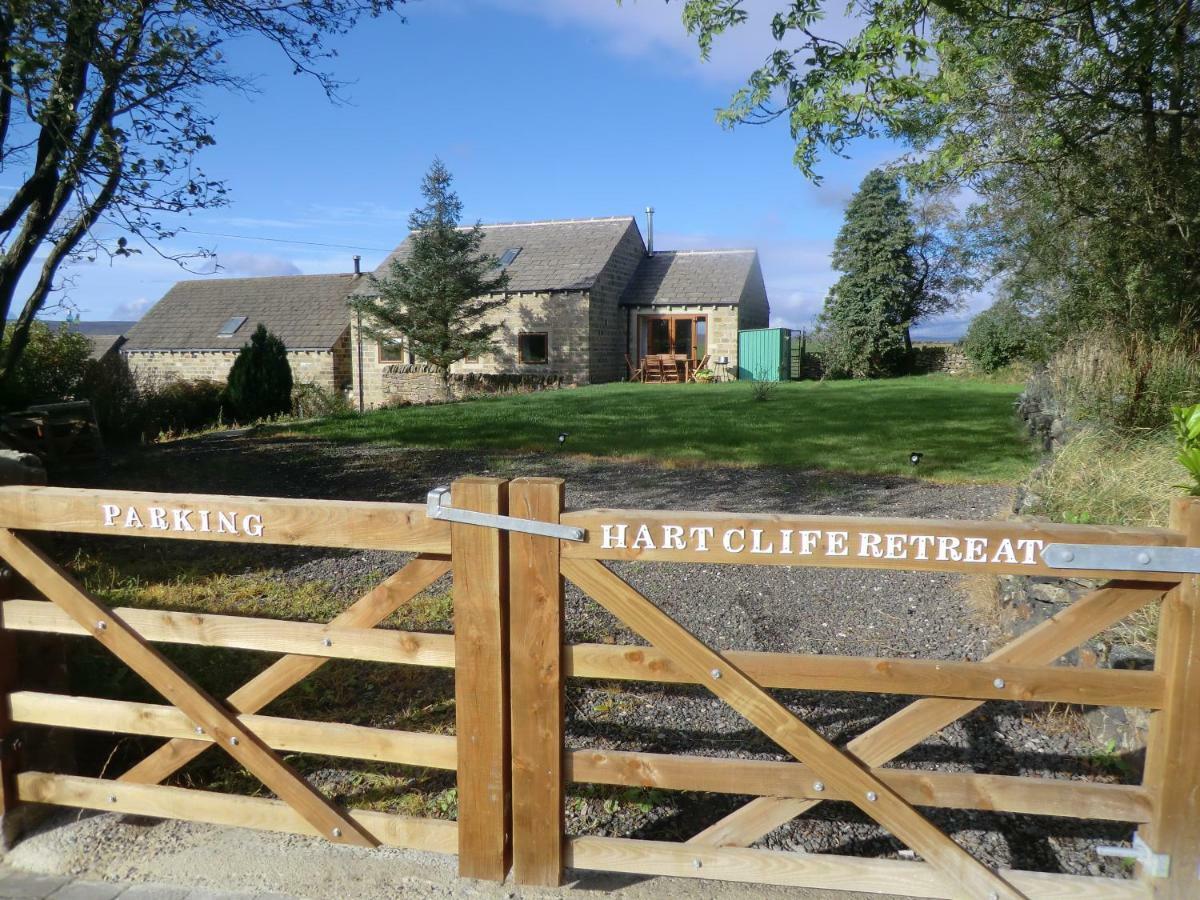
<point>18,885</point>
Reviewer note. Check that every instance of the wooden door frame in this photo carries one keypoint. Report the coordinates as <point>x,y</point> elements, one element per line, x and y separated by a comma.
<point>671,318</point>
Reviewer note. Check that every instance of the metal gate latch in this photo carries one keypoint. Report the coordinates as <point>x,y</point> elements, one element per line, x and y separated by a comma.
<point>1184,560</point>
<point>1157,865</point>
<point>437,506</point>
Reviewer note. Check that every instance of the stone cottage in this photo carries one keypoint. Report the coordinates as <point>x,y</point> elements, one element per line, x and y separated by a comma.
<point>198,327</point>
<point>584,296</point>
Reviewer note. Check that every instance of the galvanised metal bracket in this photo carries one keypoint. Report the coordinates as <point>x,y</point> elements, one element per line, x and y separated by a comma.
<point>1156,865</point>
<point>437,506</point>
<point>1107,557</point>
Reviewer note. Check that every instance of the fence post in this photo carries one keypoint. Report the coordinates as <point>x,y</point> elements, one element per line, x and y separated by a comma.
<point>1172,761</point>
<point>8,756</point>
<point>479,556</point>
<point>536,633</point>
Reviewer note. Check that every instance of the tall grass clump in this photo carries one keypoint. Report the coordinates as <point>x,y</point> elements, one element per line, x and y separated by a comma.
<point>1125,382</point>
<point>1105,476</point>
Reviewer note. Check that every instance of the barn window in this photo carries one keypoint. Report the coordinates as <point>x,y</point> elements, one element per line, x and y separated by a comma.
<point>392,350</point>
<point>533,347</point>
<point>232,324</point>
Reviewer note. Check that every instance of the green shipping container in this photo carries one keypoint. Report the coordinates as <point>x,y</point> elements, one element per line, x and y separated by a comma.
<point>764,354</point>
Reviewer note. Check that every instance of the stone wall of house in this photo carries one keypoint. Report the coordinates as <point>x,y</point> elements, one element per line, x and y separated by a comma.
<point>563,316</point>
<point>722,331</point>
<point>753,310</point>
<point>403,383</point>
<point>155,367</point>
<point>609,340</point>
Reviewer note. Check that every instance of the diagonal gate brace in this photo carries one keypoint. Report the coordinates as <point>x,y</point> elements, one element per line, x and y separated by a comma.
<point>209,716</point>
<point>864,789</point>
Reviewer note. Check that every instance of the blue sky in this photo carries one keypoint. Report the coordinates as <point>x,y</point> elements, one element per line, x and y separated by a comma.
<point>542,109</point>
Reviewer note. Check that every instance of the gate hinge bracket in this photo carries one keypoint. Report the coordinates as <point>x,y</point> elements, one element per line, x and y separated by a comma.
<point>437,506</point>
<point>1114,558</point>
<point>1156,865</point>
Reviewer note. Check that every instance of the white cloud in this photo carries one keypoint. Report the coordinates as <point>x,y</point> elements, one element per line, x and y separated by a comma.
<point>238,263</point>
<point>133,309</point>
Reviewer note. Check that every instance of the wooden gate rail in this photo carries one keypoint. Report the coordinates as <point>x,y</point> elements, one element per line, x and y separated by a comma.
<point>194,722</point>
<point>1022,670</point>
<point>874,675</point>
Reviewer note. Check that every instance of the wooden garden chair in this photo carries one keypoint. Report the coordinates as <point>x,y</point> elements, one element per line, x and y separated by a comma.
<point>670,368</point>
<point>635,372</point>
<point>653,370</point>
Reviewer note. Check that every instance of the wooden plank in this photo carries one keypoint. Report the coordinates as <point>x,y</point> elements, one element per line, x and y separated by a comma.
<point>8,683</point>
<point>954,790</point>
<point>729,683</point>
<point>249,633</point>
<point>857,542</point>
<point>535,661</point>
<point>205,517</point>
<point>820,871</point>
<point>435,751</point>
<point>370,609</point>
<point>885,741</point>
<point>921,677</point>
<point>124,643</point>
<point>1172,772</point>
<point>480,558</point>
<point>433,835</point>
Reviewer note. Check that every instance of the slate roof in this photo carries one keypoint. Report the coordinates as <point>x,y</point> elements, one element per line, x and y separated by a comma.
<point>102,335</point>
<point>710,277</point>
<point>557,255</point>
<point>308,312</point>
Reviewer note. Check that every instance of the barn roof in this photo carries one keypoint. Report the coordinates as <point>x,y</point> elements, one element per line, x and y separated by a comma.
<point>307,312</point>
<point>691,277</point>
<point>554,255</point>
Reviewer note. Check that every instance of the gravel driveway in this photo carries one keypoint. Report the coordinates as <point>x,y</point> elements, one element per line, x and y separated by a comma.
<point>807,610</point>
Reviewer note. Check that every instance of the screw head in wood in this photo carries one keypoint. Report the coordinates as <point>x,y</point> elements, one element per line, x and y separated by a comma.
<point>998,684</point>
<point>696,864</point>
<point>199,730</point>
<point>872,796</point>
<point>101,625</point>
<point>715,673</point>
<point>327,642</point>
<point>818,786</point>
<point>337,832</point>
<point>234,741</point>
<point>1144,558</point>
<point>112,798</point>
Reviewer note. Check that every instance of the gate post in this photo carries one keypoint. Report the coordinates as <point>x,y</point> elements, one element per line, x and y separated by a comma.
<point>8,755</point>
<point>536,633</point>
<point>479,556</point>
<point>1172,773</point>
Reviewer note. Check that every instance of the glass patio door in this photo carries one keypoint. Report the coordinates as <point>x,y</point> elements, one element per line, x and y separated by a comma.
<point>677,335</point>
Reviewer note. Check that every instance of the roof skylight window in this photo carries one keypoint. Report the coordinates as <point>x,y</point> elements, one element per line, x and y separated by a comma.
<point>508,256</point>
<point>232,324</point>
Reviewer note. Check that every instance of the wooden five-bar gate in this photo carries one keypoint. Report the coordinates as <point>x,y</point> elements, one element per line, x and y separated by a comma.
<point>509,656</point>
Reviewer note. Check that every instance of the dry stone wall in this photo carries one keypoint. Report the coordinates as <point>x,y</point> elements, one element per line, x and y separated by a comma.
<point>417,383</point>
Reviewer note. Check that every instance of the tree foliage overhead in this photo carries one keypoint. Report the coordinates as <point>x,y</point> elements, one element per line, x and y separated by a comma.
<point>1076,121</point>
<point>101,120</point>
<point>436,298</point>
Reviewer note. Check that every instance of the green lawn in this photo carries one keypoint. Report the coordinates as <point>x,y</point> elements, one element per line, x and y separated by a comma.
<point>965,427</point>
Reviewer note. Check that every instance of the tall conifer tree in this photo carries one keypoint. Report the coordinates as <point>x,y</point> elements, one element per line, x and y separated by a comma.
<point>437,297</point>
<point>870,308</point>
